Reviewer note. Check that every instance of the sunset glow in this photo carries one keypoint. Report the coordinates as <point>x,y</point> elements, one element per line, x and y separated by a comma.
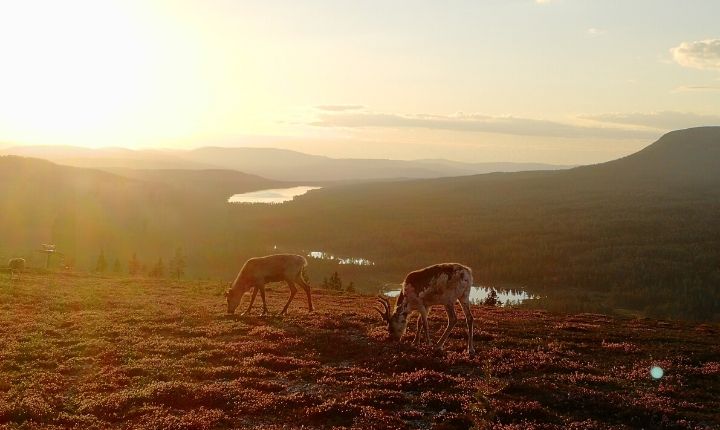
<point>480,81</point>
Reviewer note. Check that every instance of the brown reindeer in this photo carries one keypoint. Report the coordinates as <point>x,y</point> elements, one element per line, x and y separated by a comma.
<point>258,271</point>
<point>440,284</point>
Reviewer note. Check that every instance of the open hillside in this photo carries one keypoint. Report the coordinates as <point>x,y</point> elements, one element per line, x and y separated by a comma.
<point>96,352</point>
<point>214,185</point>
<point>86,211</point>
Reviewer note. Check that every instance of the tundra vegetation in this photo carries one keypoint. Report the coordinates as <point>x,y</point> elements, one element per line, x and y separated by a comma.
<point>101,351</point>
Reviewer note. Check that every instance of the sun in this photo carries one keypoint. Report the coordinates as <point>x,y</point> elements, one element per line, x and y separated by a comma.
<point>69,68</point>
<point>96,73</point>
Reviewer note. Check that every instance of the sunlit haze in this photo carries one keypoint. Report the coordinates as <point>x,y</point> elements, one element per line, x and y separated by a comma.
<point>566,81</point>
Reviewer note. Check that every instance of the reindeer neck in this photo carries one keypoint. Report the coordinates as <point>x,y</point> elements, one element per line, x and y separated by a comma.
<point>401,306</point>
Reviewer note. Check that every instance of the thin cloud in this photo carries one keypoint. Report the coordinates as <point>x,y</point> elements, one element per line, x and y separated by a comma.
<point>701,54</point>
<point>667,120</point>
<point>475,123</point>
<point>695,88</point>
<point>339,108</point>
<point>596,31</point>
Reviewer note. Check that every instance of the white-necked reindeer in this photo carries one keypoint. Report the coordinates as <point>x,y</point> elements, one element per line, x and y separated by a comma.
<point>258,271</point>
<point>440,284</point>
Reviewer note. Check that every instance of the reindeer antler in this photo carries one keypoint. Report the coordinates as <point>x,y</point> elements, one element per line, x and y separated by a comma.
<point>385,312</point>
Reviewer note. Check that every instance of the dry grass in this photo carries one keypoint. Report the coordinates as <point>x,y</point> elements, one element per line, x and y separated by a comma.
<point>93,352</point>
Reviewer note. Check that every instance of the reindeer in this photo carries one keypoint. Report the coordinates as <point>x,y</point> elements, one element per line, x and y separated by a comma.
<point>16,266</point>
<point>440,284</point>
<point>258,271</point>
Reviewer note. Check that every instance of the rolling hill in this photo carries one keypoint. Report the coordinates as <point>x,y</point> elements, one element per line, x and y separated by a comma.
<point>102,158</point>
<point>291,165</point>
<point>642,229</point>
<point>638,233</point>
<point>279,164</point>
<point>84,211</point>
<point>214,185</point>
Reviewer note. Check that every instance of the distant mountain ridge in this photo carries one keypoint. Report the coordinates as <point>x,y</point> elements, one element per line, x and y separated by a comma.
<point>273,163</point>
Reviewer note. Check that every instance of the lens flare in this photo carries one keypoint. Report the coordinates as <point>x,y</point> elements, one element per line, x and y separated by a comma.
<point>656,372</point>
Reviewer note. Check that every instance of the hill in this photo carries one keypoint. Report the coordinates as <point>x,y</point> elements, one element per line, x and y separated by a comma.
<point>291,165</point>
<point>642,229</point>
<point>215,185</point>
<point>105,158</point>
<point>638,234</point>
<point>279,164</point>
<point>103,352</point>
<point>84,211</point>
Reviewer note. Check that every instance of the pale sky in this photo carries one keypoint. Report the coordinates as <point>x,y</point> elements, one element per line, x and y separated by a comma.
<point>558,81</point>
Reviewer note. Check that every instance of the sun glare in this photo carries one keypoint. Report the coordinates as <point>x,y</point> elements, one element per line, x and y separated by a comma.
<point>66,73</point>
<point>94,72</point>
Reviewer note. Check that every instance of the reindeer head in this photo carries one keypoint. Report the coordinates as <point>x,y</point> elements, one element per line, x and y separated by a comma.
<point>234,296</point>
<point>397,322</point>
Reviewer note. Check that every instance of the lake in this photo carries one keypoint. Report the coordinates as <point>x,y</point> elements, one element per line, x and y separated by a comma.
<point>478,294</point>
<point>356,261</point>
<point>271,196</point>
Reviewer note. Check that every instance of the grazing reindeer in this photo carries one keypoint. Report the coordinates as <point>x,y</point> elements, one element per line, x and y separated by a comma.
<point>16,266</point>
<point>440,284</point>
<point>258,271</point>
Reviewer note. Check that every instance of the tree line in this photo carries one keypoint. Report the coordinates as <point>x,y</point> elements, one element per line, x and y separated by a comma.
<point>175,267</point>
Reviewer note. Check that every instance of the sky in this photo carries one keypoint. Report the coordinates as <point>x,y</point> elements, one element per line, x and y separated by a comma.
<point>556,81</point>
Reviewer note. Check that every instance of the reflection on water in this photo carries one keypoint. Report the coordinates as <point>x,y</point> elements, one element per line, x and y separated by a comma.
<point>277,195</point>
<point>478,294</point>
<point>357,261</point>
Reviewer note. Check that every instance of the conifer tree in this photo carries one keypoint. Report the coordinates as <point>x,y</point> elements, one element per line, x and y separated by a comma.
<point>101,263</point>
<point>178,264</point>
<point>134,265</point>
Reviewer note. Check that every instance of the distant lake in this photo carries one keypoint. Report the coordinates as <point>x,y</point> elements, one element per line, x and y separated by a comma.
<point>478,294</point>
<point>271,196</point>
<point>356,261</point>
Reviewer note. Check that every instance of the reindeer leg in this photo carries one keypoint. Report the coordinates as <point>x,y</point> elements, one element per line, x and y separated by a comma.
<point>262,296</point>
<point>293,290</point>
<point>252,300</point>
<point>423,315</point>
<point>470,325</point>
<point>419,330</point>
<point>452,320</point>
<point>304,285</point>
<point>416,338</point>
